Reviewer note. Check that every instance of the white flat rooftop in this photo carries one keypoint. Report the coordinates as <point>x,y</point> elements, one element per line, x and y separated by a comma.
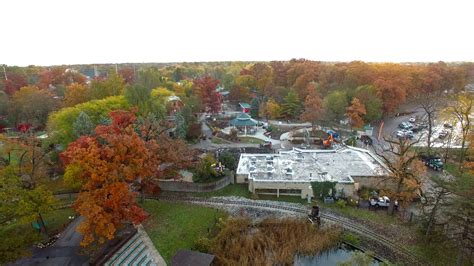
<point>311,165</point>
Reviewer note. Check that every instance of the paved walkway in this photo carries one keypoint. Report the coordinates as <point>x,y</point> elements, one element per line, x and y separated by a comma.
<point>65,251</point>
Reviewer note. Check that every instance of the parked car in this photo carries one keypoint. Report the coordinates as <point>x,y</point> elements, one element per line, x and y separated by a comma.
<point>405,125</point>
<point>447,125</point>
<point>433,161</point>
<point>405,134</point>
<point>443,134</point>
<point>416,129</point>
<point>380,202</point>
<point>412,120</point>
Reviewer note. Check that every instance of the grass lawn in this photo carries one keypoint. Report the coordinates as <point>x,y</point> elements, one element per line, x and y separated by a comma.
<point>57,220</point>
<point>251,140</point>
<point>379,217</point>
<point>173,226</point>
<point>436,252</point>
<point>453,169</point>
<point>217,140</point>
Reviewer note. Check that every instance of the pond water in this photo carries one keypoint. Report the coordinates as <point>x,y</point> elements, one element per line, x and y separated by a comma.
<point>330,257</point>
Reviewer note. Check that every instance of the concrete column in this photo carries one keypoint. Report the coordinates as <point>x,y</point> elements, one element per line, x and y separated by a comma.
<point>278,192</point>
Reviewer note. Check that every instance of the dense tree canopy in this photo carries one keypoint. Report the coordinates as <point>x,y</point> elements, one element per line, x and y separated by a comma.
<point>31,105</point>
<point>206,90</point>
<point>61,123</point>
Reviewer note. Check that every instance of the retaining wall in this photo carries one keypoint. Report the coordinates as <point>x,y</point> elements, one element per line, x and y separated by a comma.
<point>180,186</point>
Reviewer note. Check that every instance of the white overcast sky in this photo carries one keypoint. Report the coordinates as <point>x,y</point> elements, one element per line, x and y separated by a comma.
<point>98,31</point>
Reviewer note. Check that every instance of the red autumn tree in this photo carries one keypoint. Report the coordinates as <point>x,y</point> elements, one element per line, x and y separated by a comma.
<point>108,164</point>
<point>355,112</point>
<point>59,76</point>
<point>14,82</point>
<point>206,90</point>
<point>313,105</point>
<point>127,74</point>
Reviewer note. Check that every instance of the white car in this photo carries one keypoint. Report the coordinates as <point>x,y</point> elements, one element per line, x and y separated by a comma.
<point>380,202</point>
<point>412,120</point>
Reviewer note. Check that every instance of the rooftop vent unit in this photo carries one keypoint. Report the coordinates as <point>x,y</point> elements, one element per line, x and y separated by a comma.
<point>269,158</point>
<point>269,169</point>
<point>252,169</point>
<point>253,158</point>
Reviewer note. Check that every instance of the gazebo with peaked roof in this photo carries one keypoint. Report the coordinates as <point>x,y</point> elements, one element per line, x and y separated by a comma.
<point>244,121</point>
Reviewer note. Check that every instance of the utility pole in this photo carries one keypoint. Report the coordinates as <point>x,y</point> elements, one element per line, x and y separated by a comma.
<point>5,72</point>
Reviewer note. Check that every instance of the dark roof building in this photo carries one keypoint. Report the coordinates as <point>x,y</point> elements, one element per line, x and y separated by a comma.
<point>243,120</point>
<point>245,107</point>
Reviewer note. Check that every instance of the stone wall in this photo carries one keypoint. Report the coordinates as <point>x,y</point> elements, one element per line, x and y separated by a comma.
<point>180,186</point>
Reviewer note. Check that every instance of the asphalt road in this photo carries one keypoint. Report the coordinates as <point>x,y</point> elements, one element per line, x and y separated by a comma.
<point>65,251</point>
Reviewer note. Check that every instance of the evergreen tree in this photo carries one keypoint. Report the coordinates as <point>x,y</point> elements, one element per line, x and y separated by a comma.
<point>254,107</point>
<point>181,126</point>
<point>83,125</point>
<point>291,105</point>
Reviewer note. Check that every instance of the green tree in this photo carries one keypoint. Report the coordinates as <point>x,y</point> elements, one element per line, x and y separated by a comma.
<point>254,107</point>
<point>139,95</point>
<point>181,126</point>
<point>335,105</point>
<point>83,125</point>
<point>21,205</point>
<point>60,123</point>
<point>291,106</point>
<point>322,189</point>
<point>228,159</point>
<point>111,86</point>
<point>205,170</point>
<point>31,105</point>
<point>150,78</point>
<point>367,95</point>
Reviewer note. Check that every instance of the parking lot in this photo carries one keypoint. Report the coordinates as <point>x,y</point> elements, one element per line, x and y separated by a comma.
<point>413,125</point>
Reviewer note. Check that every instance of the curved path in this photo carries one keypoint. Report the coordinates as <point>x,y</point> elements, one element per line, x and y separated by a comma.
<point>347,224</point>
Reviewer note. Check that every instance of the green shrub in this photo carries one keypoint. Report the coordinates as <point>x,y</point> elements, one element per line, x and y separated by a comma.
<point>341,203</point>
<point>322,189</point>
<point>352,239</point>
<point>61,123</point>
<point>203,244</point>
<point>351,202</point>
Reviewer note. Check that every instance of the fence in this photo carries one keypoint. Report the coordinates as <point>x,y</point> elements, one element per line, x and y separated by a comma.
<point>180,186</point>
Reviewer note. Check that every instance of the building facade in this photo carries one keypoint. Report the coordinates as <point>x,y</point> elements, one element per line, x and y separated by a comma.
<point>291,172</point>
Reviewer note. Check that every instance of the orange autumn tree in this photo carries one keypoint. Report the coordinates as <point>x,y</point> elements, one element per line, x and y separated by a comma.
<point>355,112</point>
<point>108,165</point>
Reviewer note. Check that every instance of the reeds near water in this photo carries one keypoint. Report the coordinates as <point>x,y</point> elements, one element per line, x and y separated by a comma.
<point>270,242</point>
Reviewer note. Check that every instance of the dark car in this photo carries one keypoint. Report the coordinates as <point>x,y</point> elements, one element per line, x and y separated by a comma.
<point>446,125</point>
<point>433,161</point>
<point>366,139</point>
<point>266,144</point>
